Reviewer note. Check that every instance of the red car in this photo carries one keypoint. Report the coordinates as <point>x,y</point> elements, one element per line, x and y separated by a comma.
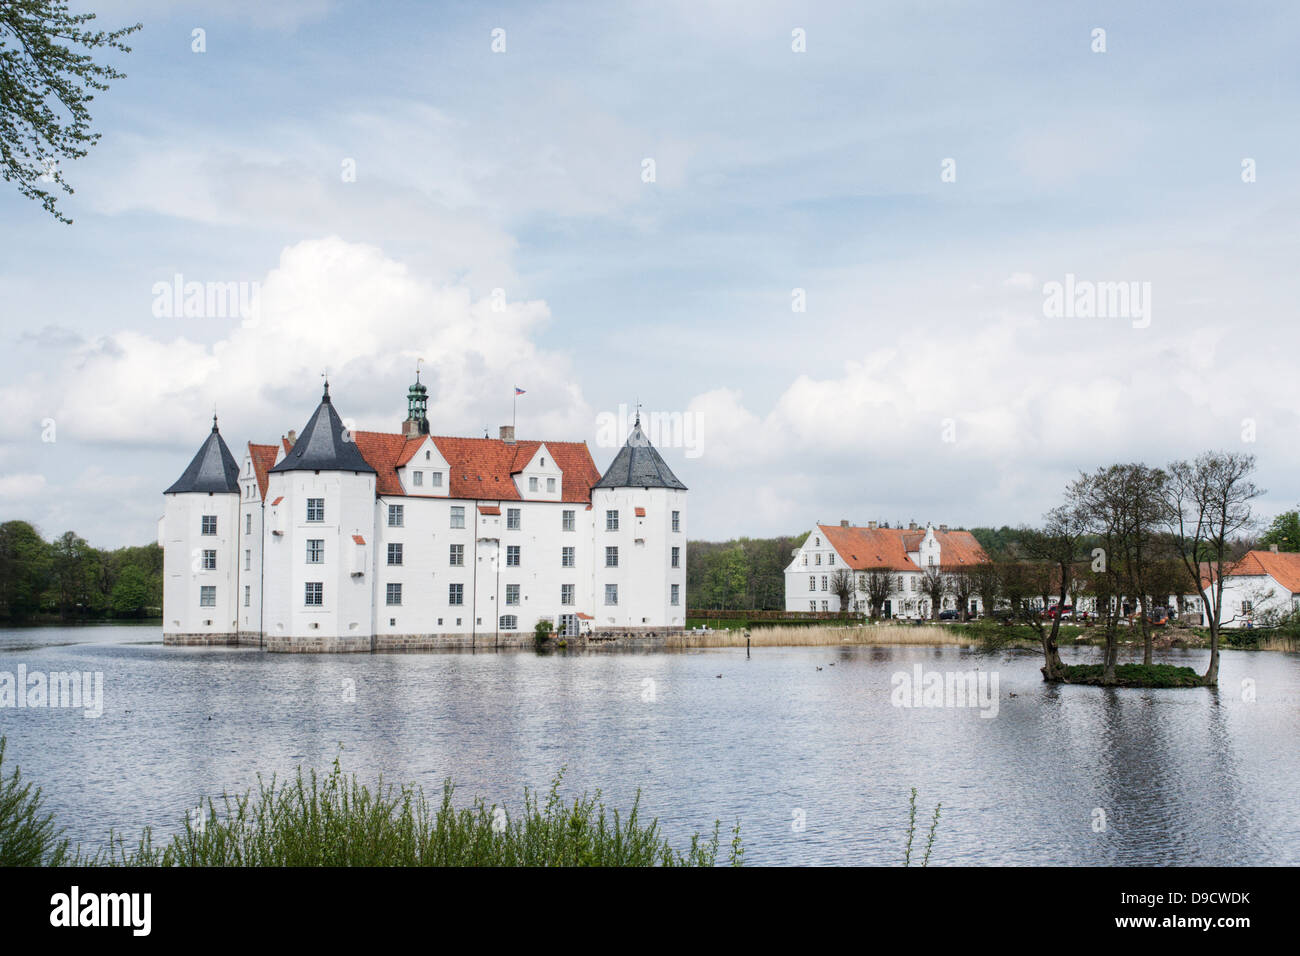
<point>1066,612</point>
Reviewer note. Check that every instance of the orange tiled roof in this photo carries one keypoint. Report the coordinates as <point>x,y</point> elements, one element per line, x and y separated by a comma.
<point>865,548</point>
<point>489,509</point>
<point>263,458</point>
<point>640,512</point>
<point>358,539</point>
<point>479,468</point>
<point>1282,566</point>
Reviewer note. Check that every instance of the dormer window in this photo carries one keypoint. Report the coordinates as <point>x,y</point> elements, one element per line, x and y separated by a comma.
<point>543,462</point>
<point>428,456</point>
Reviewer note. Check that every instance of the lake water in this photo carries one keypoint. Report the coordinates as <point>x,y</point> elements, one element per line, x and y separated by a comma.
<point>1182,776</point>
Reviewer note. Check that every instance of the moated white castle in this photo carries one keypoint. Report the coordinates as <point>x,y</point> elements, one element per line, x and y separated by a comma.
<point>359,541</point>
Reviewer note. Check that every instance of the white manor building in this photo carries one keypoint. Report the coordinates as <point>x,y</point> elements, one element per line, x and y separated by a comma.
<point>905,553</point>
<point>359,541</point>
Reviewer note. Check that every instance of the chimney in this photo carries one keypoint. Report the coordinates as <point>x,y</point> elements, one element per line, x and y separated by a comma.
<point>508,434</point>
<point>292,438</point>
<point>871,525</point>
<point>845,524</point>
<point>1273,548</point>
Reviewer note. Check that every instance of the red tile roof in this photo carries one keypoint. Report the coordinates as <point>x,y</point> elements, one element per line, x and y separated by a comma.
<point>1282,566</point>
<point>278,500</point>
<point>640,512</point>
<point>358,539</point>
<point>263,458</point>
<point>489,510</point>
<point>865,548</point>
<point>479,468</point>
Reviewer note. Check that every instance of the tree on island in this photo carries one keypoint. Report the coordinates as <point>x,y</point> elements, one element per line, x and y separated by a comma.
<point>1207,506</point>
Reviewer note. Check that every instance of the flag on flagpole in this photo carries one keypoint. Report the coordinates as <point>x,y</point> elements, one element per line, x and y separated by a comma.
<point>518,390</point>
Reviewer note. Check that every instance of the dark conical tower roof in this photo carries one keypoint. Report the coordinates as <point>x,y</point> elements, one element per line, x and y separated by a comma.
<point>212,470</point>
<point>638,465</point>
<point>322,446</point>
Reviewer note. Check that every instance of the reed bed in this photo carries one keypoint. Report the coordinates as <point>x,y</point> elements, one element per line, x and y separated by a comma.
<point>927,634</point>
<point>338,821</point>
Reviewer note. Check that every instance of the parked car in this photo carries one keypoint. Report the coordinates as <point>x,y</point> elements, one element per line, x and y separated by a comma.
<point>949,615</point>
<point>1066,612</point>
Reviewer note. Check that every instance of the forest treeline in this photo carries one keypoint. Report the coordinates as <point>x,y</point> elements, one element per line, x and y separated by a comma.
<point>68,579</point>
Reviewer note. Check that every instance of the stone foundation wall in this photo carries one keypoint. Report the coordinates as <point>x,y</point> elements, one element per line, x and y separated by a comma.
<point>199,640</point>
<point>317,645</point>
<point>647,637</point>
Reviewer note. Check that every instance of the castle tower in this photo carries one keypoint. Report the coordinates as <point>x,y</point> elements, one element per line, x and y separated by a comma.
<point>320,517</point>
<point>199,534</point>
<point>417,407</point>
<point>640,510</point>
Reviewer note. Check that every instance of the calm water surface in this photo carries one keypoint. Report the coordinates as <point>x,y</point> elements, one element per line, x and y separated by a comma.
<point>1184,776</point>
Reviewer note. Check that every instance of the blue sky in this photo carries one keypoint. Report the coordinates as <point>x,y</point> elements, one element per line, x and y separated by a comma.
<point>923,382</point>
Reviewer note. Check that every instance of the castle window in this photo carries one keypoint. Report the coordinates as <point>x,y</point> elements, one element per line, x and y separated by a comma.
<point>812,605</point>
<point>457,559</point>
<point>456,594</point>
<point>396,516</point>
<point>509,622</point>
<point>428,456</point>
<point>458,516</point>
<point>248,521</point>
<point>611,594</point>
<point>611,557</point>
<point>394,554</point>
<point>435,479</point>
<point>550,484</point>
<point>812,583</point>
<point>830,558</point>
<point>677,557</point>
<point>248,560</point>
<point>677,521</point>
<point>611,520</point>
<point>512,519</point>
<point>512,594</point>
<point>567,556</point>
<point>418,478</point>
<point>315,509</point>
<point>209,560</point>
<point>315,550</point>
<point>208,524</point>
<point>512,556</point>
<point>566,593</point>
<point>824,583</point>
<point>314,594</point>
<point>676,597</point>
<point>532,484</point>
<point>248,593</point>
<point>208,596</point>
<point>819,559</point>
<point>567,521</point>
<point>393,595</point>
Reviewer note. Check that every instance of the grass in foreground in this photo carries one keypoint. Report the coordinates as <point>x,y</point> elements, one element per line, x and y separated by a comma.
<point>338,821</point>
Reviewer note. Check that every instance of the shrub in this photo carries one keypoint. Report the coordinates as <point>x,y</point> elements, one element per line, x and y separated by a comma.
<point>28,837</point>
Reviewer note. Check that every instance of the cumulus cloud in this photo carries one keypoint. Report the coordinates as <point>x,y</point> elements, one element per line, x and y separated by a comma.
<point>329,305</point>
